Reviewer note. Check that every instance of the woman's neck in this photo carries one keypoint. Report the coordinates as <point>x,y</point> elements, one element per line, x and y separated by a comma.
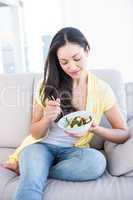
<point>81,80</point>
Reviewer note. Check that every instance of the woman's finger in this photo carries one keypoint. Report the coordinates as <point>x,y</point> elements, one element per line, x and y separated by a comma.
<point>58,100</point>
<point>53,103</point>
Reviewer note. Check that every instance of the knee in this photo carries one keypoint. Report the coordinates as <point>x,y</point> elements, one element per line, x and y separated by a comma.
<point>101,166</point>
<point>98,163</point>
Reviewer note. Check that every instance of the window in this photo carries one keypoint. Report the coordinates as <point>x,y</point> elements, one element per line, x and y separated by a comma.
<point>12,51</point>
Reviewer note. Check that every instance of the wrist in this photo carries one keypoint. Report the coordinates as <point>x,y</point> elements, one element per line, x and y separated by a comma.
<point>46,120</point>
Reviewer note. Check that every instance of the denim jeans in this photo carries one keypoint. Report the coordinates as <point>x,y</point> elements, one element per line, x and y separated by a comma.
<point>39,161</point>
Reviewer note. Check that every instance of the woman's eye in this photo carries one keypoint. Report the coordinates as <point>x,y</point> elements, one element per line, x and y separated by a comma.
<point>77,59</point>
<point>63,63</point>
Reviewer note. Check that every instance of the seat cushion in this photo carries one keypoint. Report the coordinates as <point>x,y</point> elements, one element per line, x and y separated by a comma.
<point>6,177</point>
<point>107,187</point>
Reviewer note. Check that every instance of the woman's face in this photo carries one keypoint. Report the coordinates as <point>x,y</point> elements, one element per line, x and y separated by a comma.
<point>72,59</point>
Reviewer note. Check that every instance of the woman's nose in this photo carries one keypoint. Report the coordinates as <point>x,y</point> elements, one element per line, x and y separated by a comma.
<point>72,65</point>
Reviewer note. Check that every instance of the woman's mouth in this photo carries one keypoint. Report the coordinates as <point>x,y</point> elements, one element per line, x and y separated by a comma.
<point>74,72</point>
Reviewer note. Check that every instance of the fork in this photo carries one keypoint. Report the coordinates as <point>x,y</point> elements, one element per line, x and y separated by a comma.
<point>49,98</point>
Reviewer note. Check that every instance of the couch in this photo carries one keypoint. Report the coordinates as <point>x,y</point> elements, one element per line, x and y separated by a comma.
<point>16,99</point>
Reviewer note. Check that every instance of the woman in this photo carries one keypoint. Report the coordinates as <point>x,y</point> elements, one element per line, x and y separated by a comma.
<point>67,86</point>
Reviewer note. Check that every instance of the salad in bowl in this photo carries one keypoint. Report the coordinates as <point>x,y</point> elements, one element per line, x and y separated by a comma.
<point>76,122</point>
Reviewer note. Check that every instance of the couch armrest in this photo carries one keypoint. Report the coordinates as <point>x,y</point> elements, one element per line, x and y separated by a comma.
<point>129,99</point>
<point>130,123</point>
<point>119,157</point>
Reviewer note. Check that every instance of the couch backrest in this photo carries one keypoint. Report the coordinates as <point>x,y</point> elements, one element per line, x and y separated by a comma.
<point>17,92</point>
<point>129,100</point>
<point>15,107</point>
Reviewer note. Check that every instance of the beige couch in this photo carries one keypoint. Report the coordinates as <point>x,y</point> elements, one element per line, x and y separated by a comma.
<point>16,99</point>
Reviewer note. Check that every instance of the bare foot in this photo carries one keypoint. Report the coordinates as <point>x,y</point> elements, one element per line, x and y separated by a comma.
<point>11,166</point>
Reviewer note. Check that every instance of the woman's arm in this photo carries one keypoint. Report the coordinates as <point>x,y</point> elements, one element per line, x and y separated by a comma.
<point>119,132</point>
<point>43,116</point>
<point>40,124</point>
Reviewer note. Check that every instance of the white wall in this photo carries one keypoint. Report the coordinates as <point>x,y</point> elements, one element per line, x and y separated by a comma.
<point>12,37</point>
<point>108,25</point>
<point>41,17</point>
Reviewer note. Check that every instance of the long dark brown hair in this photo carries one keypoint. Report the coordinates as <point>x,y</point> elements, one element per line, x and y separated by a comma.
<point>56,82</point>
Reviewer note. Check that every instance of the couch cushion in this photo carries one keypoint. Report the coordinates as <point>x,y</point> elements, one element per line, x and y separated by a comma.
<point>15,107</point>
<point>129,99</point>
<point>107,187</point>
<point>119,157</point>
<point>6,176</point>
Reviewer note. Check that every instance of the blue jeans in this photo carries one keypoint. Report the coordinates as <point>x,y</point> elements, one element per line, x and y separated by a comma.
<point>41,160</point>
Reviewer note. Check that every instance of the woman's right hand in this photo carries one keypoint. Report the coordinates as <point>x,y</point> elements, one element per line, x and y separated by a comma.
<point>52,110</point>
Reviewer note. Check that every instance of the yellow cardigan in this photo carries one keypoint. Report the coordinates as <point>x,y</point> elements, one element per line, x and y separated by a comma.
<point>100,98</point>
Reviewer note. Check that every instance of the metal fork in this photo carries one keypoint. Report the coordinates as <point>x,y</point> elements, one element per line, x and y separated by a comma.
<point>52,98</point>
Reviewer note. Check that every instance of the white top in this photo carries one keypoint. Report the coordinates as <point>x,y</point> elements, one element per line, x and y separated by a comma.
<point>57,136</point>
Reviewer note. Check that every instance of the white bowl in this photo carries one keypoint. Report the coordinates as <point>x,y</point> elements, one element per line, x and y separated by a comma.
<point>78,130</point>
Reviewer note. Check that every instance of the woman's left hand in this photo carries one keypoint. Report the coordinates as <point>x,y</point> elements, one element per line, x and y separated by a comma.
<point>94,128</point>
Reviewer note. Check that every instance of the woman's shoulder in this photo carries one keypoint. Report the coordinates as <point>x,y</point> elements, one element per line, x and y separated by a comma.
<point>104,92</point>
<point>96,82</point>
